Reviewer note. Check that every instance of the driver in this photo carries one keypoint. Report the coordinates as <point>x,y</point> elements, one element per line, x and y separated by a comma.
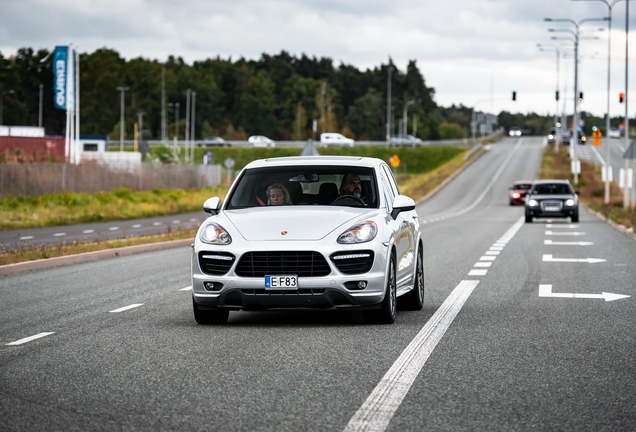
<point>351,185</point>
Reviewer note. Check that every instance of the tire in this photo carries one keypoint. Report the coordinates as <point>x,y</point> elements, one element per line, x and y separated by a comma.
<point>415,299</point>
<point>209,317</point>
<point>388,309</point>
<point>575,217</point>
<point>528,219</point>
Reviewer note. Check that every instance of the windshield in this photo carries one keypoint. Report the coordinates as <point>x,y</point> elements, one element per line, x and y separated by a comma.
<point>552,189</point>
<point>305,185</point>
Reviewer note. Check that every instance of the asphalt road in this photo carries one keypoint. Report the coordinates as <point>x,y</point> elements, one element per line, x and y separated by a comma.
<point>506,341</point>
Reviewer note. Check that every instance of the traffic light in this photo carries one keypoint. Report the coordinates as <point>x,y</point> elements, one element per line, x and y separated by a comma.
<point>621,97</point>
<point>557,95</point>
<point>514,95</point>
<point>580,95</point>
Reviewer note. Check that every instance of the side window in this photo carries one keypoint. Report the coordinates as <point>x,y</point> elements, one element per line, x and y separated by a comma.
<point>391,180</point>
<point>387,191</point>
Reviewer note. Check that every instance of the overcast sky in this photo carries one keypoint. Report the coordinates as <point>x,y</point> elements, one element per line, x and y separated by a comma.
<point>473,52</point>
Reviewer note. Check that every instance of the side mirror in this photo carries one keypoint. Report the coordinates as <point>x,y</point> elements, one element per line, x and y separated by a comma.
<point>402,203</point>
<point>577,192</point>
<point>212,205</point>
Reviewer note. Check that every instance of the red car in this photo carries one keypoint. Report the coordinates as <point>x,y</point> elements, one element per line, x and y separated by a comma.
<point>518,191</point>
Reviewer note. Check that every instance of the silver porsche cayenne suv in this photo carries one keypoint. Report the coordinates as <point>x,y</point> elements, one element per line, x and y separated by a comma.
<point>309,232</point>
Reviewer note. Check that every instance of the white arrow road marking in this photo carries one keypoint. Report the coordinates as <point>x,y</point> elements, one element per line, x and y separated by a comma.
<point>550,242</point>
<point>546,291</point>
<point>548,258</point>
<point>575,233</point>
<point>125,308</point>
<point>30,338</point>
<point>376,412</point>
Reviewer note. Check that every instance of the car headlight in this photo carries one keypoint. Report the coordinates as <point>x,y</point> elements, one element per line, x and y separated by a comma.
<point>533,203</point>
<point>569,203</point>
<point>215,234</point>
<point>360,233</point>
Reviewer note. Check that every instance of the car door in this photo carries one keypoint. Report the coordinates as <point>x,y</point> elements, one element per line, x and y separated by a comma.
<point>404,229</point>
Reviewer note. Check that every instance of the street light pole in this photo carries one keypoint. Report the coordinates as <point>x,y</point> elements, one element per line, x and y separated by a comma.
<point>121,120</point>
<point>2,102</point>
<point>388,103</point>
<point>187,126</point>
<point>575,132</point>
<point>192,114</point>
<point>40,110</point>
<point>404,115</point>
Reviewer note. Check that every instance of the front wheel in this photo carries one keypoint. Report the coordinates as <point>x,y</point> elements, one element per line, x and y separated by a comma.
<point>206,317</point>
<point>528,219</point>
<point>575,217</point>
<point>388,310</point>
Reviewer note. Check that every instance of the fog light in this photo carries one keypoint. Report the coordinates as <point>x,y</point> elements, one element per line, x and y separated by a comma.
<point>362,284</point>
<point>356,285</point>
<point>212,286</point>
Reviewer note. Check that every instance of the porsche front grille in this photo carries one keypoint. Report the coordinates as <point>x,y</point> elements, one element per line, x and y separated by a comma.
<point>300,263</point>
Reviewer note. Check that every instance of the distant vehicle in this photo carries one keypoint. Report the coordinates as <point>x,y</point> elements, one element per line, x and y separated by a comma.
<point>552,199</point>
<point>213,141</point>
<point>405,140</point>
<point>582,138</point>
<point>614,133</point>
<point>517,193</point>
<point>552,135</point>
<point>335,139</point>
<point>260,141</point>
<point>514,131</point>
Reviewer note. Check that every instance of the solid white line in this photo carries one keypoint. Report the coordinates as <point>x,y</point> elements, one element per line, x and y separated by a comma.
<point>30,338</point>
<point>186,288</point>
<point>376,412</point>
<point>125,308</point>
<point>477,272</point>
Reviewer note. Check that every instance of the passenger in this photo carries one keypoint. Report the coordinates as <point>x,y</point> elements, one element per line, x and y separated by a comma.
<point>277,195</point>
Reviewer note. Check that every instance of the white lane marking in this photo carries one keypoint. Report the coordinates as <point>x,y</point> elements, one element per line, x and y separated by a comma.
<point>484,192</point>
<point>88,231</point>
<point>136,226</point>
<point>550,242</point>
<point>548,258</point>
<point>376,412</point>
<point>565,233</point>
<point>482,264</point>
<point>113,228</point>
<point>493,252</point>
<point>496,248</point>
<point>561,226</point>
<point>487,258</point>
<point>188,288</point>
<point>61,234</point>
<point>26,238</point>
<point>156,223</point>
<point>546,291</point>
<point>476,272</point>
<point>125,308</point>
<point>176,222</point>
<point>598,156</point>
<point>30,338</point>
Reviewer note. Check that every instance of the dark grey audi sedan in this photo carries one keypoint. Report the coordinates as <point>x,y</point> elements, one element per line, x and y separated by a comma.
<point>552,199</point>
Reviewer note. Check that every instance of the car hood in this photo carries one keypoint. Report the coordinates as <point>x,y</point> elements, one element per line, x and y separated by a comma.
<point>552,196</point>
<point>304,223</point>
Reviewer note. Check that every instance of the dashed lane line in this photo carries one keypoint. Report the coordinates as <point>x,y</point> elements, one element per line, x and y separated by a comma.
<point>30,338</point>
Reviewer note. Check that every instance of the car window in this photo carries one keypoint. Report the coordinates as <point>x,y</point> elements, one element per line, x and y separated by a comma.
<point>551,189</point>
<point>391,179</point>
<point>305,185</point>
<point>523,186</point>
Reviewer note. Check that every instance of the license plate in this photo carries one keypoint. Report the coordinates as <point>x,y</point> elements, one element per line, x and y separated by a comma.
<point>552,208</point>
<point>281,282</point>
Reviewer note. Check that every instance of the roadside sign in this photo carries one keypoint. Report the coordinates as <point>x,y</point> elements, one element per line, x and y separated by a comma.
<point>394,161</point>
<point>228,163</point>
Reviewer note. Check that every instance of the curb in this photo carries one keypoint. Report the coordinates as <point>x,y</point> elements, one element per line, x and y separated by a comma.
<point>10,269</point>
<point>628,232</point>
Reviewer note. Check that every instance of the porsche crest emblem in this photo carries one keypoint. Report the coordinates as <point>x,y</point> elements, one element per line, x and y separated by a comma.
<point>283,233</point>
